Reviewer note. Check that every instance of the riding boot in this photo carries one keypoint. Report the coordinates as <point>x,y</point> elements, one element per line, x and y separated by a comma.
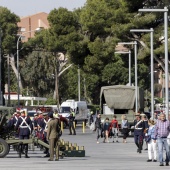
<point>26,151</point>
<point>19,150</point>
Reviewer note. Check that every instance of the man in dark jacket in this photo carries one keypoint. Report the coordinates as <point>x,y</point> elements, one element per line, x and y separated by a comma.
<point>98,127</point>
<point>71,124</point>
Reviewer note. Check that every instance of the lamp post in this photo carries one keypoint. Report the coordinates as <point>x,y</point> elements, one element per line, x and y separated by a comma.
<point>79,83</point>
<point>136,77</point>
<point>18,80</point>
<point>165,10</point>
<point>127,52</point>
<point>152,64</point>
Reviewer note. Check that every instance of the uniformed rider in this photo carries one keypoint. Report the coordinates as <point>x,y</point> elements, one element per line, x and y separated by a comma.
<point>25,127</point>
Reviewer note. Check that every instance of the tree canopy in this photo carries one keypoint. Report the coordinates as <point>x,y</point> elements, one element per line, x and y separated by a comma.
<point>86,38</point>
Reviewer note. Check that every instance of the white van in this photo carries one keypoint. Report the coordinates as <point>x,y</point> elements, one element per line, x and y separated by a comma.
<point>79,107</point>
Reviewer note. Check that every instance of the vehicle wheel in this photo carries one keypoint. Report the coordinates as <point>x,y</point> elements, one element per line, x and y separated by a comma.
<point>4,148</point>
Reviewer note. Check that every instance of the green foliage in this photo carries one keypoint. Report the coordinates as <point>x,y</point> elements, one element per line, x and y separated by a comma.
<point>50,101</point>
<point>87,37</point>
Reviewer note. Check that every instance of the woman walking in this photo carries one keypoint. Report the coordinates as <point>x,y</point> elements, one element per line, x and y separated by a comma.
<point>149,137</point>
<point>125,130</point>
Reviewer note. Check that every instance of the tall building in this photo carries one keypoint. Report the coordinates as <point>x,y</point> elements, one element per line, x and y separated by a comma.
<point>29,24</point>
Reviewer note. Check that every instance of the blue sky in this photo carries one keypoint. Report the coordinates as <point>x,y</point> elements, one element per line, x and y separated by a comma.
<point>29,7</point>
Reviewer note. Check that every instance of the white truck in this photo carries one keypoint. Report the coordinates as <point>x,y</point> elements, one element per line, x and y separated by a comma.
<point>79,107</point>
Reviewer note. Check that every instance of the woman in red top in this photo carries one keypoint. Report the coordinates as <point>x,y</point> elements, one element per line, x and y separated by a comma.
<point>115,128</point>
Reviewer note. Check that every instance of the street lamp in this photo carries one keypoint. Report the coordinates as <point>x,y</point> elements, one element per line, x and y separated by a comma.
<point>127,52</point>
<point>18,79</point>
<point>136,80</point>
<point>165,10</point>
<point>152,63</point>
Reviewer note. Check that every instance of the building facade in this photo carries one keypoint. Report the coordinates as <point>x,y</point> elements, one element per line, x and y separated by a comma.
<point>29,24</point>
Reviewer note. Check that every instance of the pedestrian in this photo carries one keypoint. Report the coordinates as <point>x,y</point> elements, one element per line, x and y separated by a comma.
<point>125,129</point>
<point>98,127</point>
<point>150,137</point>
<point>91,118</point>
<point>145,120</point>
<point>71,124</point>
<point>53,136</point>
<point>139,127</point>
<point>46,119</point>
<point>115,128</point>
<point>106,128</point>
<point>25,127</point>
<point>162,129</point>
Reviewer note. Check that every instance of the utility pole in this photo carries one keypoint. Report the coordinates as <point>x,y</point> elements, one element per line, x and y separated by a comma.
<point>78,83</point>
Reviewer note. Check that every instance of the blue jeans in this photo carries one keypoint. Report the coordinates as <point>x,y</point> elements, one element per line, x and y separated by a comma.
<point>162,142</point>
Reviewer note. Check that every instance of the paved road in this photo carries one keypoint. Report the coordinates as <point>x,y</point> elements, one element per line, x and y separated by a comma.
<point>102,156</point>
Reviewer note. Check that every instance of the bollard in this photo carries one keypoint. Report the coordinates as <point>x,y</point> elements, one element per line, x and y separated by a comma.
<point>62,126</point>
<point>83,127</point>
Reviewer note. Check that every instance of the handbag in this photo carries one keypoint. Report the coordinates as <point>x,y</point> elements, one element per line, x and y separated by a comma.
<point>148,138</point>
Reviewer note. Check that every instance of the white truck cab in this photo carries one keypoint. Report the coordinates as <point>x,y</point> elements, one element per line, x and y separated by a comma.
<point>79,107</point>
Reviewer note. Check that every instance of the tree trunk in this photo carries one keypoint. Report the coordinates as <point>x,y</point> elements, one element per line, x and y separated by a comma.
<point>12,63</point>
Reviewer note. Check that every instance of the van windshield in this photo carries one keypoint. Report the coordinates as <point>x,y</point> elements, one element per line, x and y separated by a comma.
<point>64,109</point>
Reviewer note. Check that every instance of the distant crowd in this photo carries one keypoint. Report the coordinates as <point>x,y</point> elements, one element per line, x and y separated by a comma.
<point>155,132</point>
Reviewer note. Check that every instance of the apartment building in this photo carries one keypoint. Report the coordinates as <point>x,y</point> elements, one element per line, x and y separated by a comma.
<point>29,24</point>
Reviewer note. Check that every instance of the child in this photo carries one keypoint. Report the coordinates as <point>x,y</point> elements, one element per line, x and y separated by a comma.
<point>151,143</point>
<point>115,128</point>
<point>106,128</point>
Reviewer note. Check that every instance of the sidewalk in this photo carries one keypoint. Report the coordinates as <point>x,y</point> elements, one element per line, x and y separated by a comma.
<point>102,156</point>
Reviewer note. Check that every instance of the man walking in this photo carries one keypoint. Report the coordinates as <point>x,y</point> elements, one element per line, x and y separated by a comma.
<point>162,129</point>
<point>139,127</point>
<point>53,136</point>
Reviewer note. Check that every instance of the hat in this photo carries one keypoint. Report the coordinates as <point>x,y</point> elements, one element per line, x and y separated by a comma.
<point>50,114</point>
<point>45,114</point>
<point>142,114</point>
<point>137,114</point>
<point>22,111</point>
<point>56,116</point>
<point>15,113</point>
<point>35,114</point>
<point>55,110</point>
